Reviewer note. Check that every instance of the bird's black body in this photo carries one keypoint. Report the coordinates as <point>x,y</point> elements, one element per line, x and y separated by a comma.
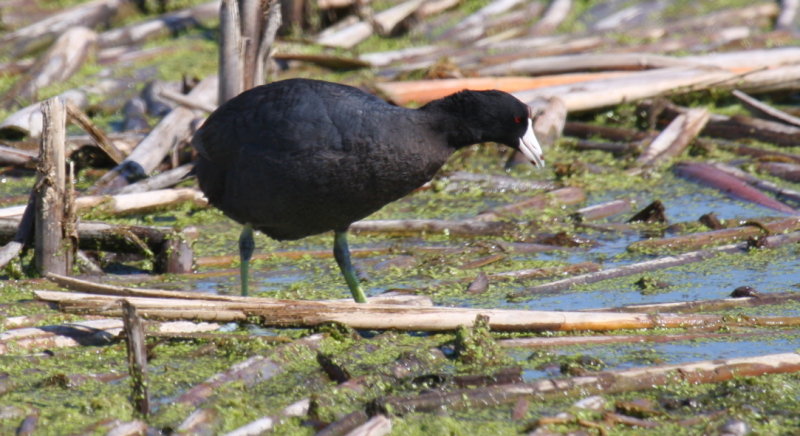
<point>300,157</point>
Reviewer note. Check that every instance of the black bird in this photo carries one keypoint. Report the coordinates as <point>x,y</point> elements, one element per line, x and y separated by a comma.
<point>299,157</point>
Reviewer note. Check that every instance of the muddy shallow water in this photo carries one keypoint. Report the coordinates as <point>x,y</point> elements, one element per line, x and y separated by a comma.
<point>775,270</point>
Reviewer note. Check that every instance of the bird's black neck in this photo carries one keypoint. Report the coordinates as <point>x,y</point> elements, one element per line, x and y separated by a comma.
<point>452,117</point>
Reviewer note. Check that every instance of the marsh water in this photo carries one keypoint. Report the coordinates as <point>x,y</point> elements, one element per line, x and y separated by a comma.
<point>412,266</point>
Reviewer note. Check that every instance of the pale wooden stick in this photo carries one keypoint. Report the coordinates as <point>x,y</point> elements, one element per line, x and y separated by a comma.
<point>80,333</point>
<point>378,425</point>
<point>595,94</point>
<point>77,116</point>
<point>274,19</point>
<point>294,313</point>
<point>68,335</point>
<point>53,251</point>
<point>201,421</point>
<point>66,56</point>
<point>740,126</point>
<point>556,12</point>
<point>251,21</point>
<point>166,179</point>
<point>602,210</point>
<point>173,128</point>
<point>470,227</point>
<point>785,20</point>
<point>585,62</point>
<point>765,109</point>
<point>15,156</point>
<point>231,51</point>
<point>104,289</point>
<point>183,100</point>
<point>699,23</point>
<point>22,234</point>
<point>98,288</point>
<point>118,428</point>
<point>433,7</point>
<point>346,35</point>
<point>384,58</point>
<point>89,14</point>
<point>137,357</point>
<point>123,204</point>
<point>672,140</point>
<point>386,21</point>
<point>473,26</point>
<point>163,25</point>
<point>261,425</point>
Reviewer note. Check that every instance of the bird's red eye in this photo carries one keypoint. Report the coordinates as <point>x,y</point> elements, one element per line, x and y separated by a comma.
<point>517,120</point>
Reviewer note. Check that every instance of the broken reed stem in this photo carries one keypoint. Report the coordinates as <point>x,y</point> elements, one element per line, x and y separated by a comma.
<point>567,195</point>
<point>695,241</point>
<point>73,334</point>
<point>30,333</point>
<point>231,78</point>
<point>764,109</point>
<point>347,425</point>
<point>171,248</point>
<point>70,224</point>
<point>274,20</point>
<point>251,22</point>
<point>126,204</point>
<point>256,369</point>
<point>137,357</point>
<point>265,423</point>
<point>297,313</point>
<point>98,288</point>
<point>609,382</point>
<point>566,341</point>
<point>672,140</point>
<point>652,265</point>
<point>23,234</point>
<point>53,251</point>
<point>77,116</point>
<point>187,102</point>
<point>602,210</point>
<point>490,222</point>
<point>209,261</point>
<point>705,305</point>
<point>764,185</point>
<point>122,291</point>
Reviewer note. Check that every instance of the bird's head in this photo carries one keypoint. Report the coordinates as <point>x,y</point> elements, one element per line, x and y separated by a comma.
<point>495,116</point>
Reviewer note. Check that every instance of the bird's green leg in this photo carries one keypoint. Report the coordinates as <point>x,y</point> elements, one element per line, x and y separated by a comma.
<point>246,248</point>
<point>342,254</point>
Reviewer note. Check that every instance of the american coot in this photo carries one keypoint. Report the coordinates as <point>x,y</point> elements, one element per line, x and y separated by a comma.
<point>299,157</point>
